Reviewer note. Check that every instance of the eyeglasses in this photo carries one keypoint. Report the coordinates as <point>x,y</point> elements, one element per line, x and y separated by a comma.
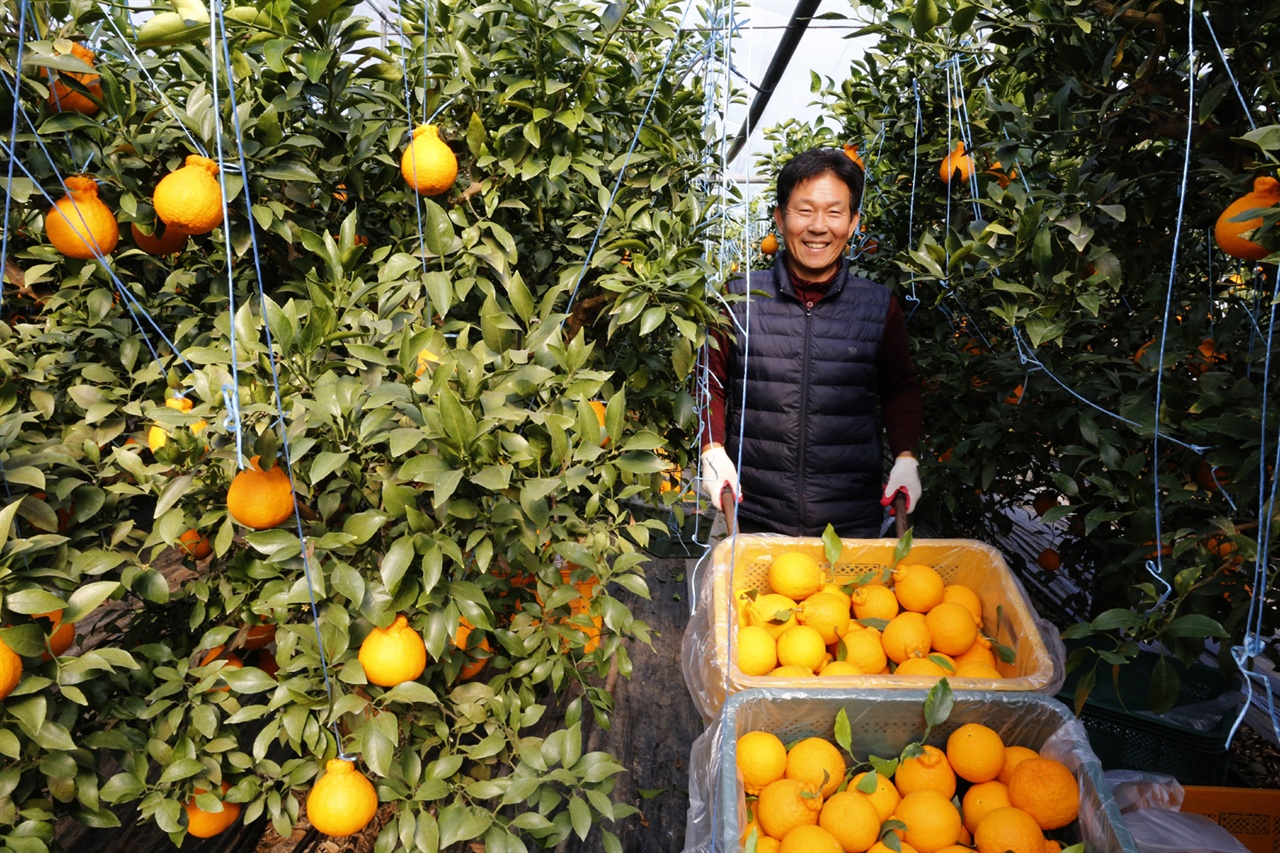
<point>837,217</point>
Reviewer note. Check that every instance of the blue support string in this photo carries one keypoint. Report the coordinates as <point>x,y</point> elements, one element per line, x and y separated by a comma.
<point>1226,66</point>
<point>408,109</point>
<point>1168,303</point>
<point>622,170</point>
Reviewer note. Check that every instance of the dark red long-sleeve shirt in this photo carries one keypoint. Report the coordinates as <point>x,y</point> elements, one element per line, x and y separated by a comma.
<point>899,390</point>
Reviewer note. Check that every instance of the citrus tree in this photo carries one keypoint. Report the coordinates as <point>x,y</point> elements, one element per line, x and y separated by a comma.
<point>1068,354</point>
<point>476,397</point>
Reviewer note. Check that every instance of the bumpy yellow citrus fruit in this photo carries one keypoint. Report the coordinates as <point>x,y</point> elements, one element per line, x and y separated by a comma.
<point>343,801</point>
<point>762,760</point>
<point>157,437</point>
<point>906,636</point>
<point>766,610</point>
<point>921,666</point>
<point>429,166</point>
<point>977,653</point>
<point>802,646</point>
<point>874,601</point>
<point>757,651</point>
<point>393,655</point>
<point>795,574</point>
<point>960,594</point>
<point>952,628</point>
<point>833,588</point>
<point>80,225</point>
<point>791,672</point>
<point>977,669</point>
<point>260,499</point>
<point>817,760</point>
<point>918,587</point>
<point>190,198</point>
<point>864,650</point>
<point>825,613</point>
<point>1013,756</point>
<point>838,669</point>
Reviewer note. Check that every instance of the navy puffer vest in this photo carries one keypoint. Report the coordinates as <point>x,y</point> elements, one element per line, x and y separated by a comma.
<point>810,440</point>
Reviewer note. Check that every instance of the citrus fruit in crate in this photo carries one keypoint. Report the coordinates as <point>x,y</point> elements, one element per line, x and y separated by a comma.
<point>817,761</point>
<point>809,839</point>
<point>757,651</point>
<point>852,818</point>
<point>786,804</point>
<point>932,821</point>
<point>1046,790</point>
<point>762,758</point>
<point>1013,756</point>
<point>919,588</point>
<point>884,796</point>
<point>1008,830</point>
<point>773,612</point>
<point>795,574</point>
<point>927,771</point>
<point>975,752</point>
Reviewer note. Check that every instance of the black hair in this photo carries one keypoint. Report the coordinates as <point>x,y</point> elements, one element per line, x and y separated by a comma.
<point>818,161</point>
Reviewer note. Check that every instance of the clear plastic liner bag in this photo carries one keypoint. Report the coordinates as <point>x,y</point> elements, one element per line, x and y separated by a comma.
<point>1150,803</point>
<point>882,723</point>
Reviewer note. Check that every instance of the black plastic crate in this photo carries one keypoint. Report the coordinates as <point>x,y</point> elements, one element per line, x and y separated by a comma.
<point>1126,735</point>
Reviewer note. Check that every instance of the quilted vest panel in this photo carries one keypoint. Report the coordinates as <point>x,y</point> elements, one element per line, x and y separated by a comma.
<point>809,431</point>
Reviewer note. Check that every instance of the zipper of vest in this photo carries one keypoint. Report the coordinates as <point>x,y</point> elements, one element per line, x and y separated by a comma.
<point>804,409</point>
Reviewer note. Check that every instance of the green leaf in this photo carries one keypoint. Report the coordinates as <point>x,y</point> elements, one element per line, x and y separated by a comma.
<point>938,704</point>
<point>396,562</point>
<point>86,599</point>
<point>165,29</point>
<point>1195,625</point>
<point>287,170</point>
<point>844,732</point>
<point>832,545</point>
<point>438,231</point>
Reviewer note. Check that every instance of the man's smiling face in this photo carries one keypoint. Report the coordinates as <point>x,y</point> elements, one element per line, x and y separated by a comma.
<point>816,226</point>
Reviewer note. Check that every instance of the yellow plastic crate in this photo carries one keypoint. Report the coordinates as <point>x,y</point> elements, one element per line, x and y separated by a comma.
<point>742,563</point>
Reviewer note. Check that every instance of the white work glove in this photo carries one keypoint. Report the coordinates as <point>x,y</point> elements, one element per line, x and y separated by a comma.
<point>718,472</point>
<point>903,477</point>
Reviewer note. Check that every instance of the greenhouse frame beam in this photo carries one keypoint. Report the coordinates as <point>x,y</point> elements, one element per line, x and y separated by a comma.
<point>801,15</point>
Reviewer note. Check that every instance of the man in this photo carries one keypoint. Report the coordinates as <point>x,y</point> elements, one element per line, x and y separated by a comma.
<point>818,356</point>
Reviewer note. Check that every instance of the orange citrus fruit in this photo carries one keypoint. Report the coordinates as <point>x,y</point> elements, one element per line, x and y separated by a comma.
<point>906,636</point>
<point>982,798</point>
<point>203,824</point>
<point>825,613</point>
<point>952,628</point>
<point>762,760</point>
<point>1008,830</point>
<point>195,544</point>
<point>932,821</point>
<point>817,760</point>
<point>1013,756</point>
<point>931,771</point>
<point>260,499</point>
<point>10,669</point>
<point>885,797</point>
<point>62,98</point>
<point>852,818</point>
<point>478,656</point>
<point>61,635</point>
<point>786,804</point>
<point>1046,790</point>
<point>976,752</point>
<point>809,839</point>
<point>874,601</point>
<point>80,225</point>
<point>919,588</point>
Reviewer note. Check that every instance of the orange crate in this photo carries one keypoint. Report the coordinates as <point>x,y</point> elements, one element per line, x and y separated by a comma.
<point>1252,815</point>
<point>742,562</point>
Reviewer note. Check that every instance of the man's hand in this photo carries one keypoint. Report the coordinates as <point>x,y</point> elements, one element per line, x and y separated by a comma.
<point>903,477</point>
<point>718,472</point>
